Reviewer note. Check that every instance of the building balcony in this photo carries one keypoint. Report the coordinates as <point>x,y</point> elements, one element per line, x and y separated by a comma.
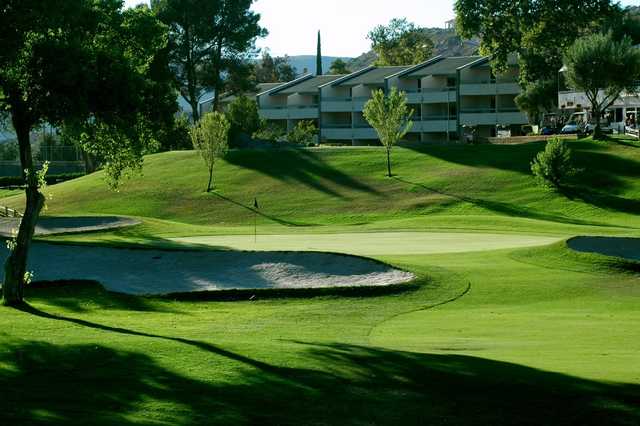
<point>332,131</point>
<point>491,116</point>
<point>292,112</point>
<point>484,89</point>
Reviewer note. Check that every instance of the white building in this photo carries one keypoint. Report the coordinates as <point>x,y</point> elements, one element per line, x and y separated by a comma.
<point>446,95</point>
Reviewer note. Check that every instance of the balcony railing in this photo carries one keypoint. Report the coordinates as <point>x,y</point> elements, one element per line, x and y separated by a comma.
<point>362,126</point>
<point>488,110</point>
<point>336,99</point>
<point>437,89</point>
<point>336,125</point>
<point>303,106</point>
<point>439,118</point>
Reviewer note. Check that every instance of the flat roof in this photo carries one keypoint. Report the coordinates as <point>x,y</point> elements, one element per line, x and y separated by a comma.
<point>372,75</point>
<point>309,85</point>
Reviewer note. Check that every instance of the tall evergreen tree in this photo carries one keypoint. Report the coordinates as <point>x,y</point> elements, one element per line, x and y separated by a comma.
<point>319,56</point>
<point>207,39</point>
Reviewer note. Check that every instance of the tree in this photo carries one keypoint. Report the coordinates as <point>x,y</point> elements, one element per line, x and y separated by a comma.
<point>389,116</point>
<point>338,67</point>
<point>210,136</point>
<point>82,64</point>
<point>207,37</point>
<point>319,56</point>
<point>603,68</point>
<point>243,118</point>
<point>537,98</point>
<point>400,43</point>
<point>553,166</point>
<point>274,70</point>
<point>539,31</point>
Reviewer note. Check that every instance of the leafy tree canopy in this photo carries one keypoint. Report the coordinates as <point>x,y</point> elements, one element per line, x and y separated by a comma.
<point>400,43</point>
<point>603,68</point>
<point>86,65</point>
<point>274,70</point>
<point>537,98</point>
<point>339,67</point>
<point>538,30</point>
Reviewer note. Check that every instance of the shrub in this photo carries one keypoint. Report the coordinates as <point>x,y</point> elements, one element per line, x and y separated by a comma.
<point>553,166</point>
<point>269,131</point>
<point>303,133</point>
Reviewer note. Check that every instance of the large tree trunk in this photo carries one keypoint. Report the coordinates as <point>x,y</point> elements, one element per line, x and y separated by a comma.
<point>597,131</point>
<point>16,264</point>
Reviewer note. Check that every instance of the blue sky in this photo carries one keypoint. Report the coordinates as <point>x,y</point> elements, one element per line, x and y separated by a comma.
<point>293,24</point>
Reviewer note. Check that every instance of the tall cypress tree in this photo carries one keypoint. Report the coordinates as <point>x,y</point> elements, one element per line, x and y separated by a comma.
<point>319,57</point>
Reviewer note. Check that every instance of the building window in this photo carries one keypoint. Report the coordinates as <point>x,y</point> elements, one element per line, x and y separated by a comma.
<point>451,82</point>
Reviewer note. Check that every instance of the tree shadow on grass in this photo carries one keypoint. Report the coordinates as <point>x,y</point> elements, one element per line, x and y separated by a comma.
<point>302,166</point>
<point>83,296</point>
<point>505,208</point>
<point>262,213</point>
<point>43,383</point>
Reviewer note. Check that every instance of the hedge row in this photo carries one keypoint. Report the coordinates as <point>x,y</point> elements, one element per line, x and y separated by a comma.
<point>7,181</point>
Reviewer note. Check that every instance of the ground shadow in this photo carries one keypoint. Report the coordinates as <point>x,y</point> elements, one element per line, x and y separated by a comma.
<point>262,213</point>
<point>303,166</point>
<point>43,383</point>
<point>504,208</point>
<point>83,296</point>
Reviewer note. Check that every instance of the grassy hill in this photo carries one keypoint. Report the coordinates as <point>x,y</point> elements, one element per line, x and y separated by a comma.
<point>479,187</point>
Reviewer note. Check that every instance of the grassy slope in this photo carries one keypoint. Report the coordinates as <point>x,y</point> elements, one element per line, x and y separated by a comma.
<point>479,187</point>
<point>528,336</point>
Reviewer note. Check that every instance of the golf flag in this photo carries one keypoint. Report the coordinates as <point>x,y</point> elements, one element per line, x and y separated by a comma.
<point>255,204</point>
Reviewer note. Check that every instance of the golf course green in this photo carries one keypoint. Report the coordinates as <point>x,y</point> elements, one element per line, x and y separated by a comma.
<point>504,324</point>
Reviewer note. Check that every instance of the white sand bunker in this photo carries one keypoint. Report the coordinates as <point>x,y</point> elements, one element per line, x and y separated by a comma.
<point>627,248</point>
<point>62,225</point>
<point>164,272</point>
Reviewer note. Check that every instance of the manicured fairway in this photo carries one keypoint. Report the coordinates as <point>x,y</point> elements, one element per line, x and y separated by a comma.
<point>369,244</point>
<point>504,325</point>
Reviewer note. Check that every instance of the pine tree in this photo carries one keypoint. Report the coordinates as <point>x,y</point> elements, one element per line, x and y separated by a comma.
<point>319,57</point>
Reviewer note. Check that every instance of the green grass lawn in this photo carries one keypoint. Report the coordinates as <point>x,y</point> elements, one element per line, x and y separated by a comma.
<point>9,192</point>
<point>533,336</point>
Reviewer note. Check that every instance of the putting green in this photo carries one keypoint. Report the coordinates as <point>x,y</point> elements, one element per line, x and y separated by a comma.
<point>373,244</point>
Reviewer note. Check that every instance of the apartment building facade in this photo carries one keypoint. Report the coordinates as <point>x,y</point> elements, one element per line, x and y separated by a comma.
<point>447,96</point>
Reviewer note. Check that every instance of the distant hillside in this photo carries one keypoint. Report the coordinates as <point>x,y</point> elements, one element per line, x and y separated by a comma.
<point>300,62</point>
<point>446,42</point>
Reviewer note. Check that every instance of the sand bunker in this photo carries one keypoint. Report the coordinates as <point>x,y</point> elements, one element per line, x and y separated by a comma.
<point>63,225</point>
<point>163,272</point>
<point>627,248</point>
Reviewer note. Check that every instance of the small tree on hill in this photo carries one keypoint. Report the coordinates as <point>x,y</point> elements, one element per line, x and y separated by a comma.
<point>553,166</point>
<point>210,136</point>
<point>603,68</point>
<point>389,116</point>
